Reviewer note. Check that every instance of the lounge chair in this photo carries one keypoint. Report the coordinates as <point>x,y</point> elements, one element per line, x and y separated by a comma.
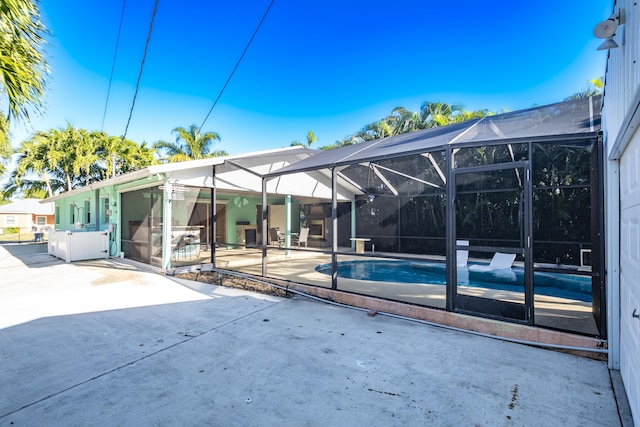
<point>500,261</point>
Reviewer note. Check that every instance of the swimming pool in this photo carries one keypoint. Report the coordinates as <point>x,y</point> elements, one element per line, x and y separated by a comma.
<point>550,284</point>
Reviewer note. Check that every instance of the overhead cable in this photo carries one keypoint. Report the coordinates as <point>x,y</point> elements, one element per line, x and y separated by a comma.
<point>146,47</point>
<point>113,64</point>
<point>266,12</point>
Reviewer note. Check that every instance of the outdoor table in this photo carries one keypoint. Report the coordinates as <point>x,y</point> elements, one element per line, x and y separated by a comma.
<point>360,243</point>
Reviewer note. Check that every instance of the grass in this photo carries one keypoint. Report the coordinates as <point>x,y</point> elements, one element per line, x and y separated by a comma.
<point>19,237</point>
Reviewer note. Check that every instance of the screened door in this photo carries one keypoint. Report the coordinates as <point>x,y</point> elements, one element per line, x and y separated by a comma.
<point>493,273</point>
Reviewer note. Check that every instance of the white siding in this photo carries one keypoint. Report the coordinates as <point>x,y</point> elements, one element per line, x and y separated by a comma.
<point>623,73</point>
<point>620,120</point>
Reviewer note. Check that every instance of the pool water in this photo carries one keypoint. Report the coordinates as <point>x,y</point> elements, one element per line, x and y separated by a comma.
<point>551,284</point>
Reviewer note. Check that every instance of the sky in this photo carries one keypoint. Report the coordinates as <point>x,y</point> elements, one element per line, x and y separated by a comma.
<point>330,66</point>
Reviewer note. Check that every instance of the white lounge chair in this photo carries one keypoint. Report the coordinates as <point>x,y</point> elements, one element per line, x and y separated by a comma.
<point>500,261</point>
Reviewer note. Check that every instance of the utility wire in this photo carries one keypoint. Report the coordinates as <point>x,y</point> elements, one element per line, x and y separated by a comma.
<point>113,64</point>
<point>266,12</point>
<point>146,47</point>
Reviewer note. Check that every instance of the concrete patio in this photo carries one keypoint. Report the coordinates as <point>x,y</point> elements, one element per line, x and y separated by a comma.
<point>110,343</point>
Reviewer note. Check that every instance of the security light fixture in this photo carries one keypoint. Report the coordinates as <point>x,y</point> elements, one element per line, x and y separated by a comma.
<point>609,43</point>
<point>607,30</point>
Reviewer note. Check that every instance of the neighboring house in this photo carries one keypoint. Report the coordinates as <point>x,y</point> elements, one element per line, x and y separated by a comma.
<point>621,119</point>
<point>27,214</point>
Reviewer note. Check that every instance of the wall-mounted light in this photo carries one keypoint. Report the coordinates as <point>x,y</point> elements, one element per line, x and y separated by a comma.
<point>607,30</point>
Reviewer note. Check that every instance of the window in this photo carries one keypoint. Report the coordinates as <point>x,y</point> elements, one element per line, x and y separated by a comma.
<point>57,215</point>
<point>10,221</point>
<point>41,221</point>
<point>87,212</point>
<point>106,212</point>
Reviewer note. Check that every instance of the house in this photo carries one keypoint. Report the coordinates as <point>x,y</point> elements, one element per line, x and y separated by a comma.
<point>621,120</point>
<point>27,215</point>
<point>172,214</point>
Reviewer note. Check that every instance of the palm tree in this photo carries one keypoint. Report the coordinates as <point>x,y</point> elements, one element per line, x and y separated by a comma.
<point>133,156</point>
<point>5,144</point>
<point>117,155</point>
<point>22,64</point>
<point>190,145</point>
<point>594,87</point>
<point>311,138</point>
<point>63,159</point>
<point>402,120</point>
<point>38,158</point>
<point>375,130</point>
<point>433,114</point>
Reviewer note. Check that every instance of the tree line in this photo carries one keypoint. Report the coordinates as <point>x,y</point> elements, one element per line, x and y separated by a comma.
<point>60,160</point>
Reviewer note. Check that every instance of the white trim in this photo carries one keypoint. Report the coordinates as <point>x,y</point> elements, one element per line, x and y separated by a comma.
<point>142,186</point>
<point>612,259</point>
<point>628,127</point>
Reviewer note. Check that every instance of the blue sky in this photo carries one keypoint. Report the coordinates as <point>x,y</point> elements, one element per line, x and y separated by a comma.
<point>329,66</point>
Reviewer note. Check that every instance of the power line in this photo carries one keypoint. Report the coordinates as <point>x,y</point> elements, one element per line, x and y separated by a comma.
<point>146,47</point>
<point>113,64</point>
<point>266,12</point>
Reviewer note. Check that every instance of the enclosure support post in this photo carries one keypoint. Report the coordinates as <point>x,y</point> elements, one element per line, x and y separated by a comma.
<point>264,227</point>
<point>287,222</point>
<point>334,229</point>
<point>528,243</point>
<point>450,234</point>
<point>353,224</point>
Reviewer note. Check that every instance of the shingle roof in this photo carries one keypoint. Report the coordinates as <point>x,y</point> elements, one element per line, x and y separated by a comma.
<point>28,206</point>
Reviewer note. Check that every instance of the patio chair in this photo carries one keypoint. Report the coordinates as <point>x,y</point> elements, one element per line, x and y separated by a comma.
<point>275,236</point>
<point>302,237</point>
<point>500,261</point>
